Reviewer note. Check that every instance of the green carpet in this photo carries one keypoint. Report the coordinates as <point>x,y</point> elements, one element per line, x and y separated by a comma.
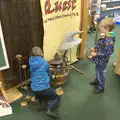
<point>78,101</point>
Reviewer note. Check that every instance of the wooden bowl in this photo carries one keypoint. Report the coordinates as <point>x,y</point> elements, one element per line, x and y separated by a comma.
<point>59,91</point>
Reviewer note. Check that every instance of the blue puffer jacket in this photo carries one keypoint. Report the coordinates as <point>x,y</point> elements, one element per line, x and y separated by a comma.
<point>40,73</point>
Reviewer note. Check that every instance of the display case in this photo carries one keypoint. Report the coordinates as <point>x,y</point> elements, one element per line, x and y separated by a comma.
<point>112,6</point>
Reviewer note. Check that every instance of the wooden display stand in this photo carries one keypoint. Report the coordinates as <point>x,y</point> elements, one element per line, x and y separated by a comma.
<point>10,95</point>
<point>117,68</point>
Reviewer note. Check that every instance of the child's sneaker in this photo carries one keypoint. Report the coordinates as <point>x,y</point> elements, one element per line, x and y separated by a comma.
<point>95,82</point>
<point>98,91</point>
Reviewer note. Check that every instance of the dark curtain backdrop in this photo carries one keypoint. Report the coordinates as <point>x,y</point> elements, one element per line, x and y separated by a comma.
<point>22,29</point>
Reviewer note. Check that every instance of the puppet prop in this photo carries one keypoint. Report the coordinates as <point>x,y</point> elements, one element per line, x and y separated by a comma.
<point>60,65</point>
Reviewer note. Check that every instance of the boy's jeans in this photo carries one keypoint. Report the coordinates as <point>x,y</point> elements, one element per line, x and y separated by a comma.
<point>100,75</point>
<point>49,94</point>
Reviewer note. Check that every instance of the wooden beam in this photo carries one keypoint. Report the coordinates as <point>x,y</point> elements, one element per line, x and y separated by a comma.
<point>84,27</point>
<point>117,68</point>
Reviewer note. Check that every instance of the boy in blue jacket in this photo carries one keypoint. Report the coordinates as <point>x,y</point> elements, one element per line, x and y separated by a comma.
<point>40,80</point>
<point>101,53</point>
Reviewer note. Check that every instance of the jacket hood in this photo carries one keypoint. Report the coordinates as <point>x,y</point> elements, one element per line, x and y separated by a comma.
<point>111,34</point>
<point>35,61</point>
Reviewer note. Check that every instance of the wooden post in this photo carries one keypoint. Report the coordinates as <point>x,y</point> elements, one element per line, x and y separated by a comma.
<point>117,68</point>
<point>84,26</point>
<point>2,89</point>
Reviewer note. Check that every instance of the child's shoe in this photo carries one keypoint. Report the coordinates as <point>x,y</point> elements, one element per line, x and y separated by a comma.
<point>52,114</point>
<point>95,82</point>
<point>98,91</point>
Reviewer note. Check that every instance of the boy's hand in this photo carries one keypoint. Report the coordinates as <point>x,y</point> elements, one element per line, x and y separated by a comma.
<point>93,54</point>
<point>92,49</point>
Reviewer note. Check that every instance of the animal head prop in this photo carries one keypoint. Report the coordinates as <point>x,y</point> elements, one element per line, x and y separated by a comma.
<point>71,35</point>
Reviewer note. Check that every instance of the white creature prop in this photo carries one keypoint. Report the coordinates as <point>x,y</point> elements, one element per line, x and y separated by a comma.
<point>71,41</point>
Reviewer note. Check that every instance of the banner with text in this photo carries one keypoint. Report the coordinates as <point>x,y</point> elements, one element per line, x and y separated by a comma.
<point>60,18</point>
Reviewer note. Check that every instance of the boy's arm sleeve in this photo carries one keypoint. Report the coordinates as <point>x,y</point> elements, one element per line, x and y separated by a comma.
<point>48,71</point>
<point>109,49</point>
<point>97,46</point>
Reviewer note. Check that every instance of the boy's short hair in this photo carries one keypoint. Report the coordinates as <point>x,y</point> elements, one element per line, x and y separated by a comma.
<point>36,51</point>
<point>108,23</point>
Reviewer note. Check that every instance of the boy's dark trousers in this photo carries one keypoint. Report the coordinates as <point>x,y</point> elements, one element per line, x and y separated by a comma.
<point>100,75</point>
<point>48,94</point>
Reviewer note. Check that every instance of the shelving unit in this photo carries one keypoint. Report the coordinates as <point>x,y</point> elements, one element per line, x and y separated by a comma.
<point>113,6</point>
<point>110,1</point>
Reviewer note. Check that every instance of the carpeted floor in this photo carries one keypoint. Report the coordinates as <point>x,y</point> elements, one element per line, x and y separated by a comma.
<point>78,101</point>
